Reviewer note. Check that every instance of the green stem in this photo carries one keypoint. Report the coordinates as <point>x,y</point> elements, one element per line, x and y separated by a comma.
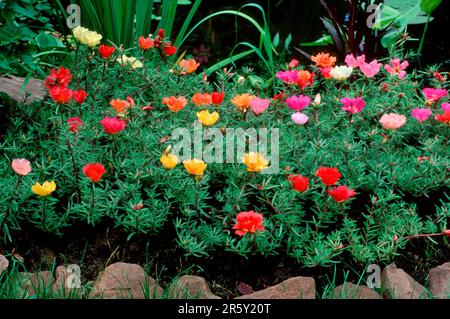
<point>44,214</point>
<point>92,204</point>
<point>422,40</point>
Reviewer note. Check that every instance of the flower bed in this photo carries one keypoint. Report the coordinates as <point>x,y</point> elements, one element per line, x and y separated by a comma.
<point>357,166</point>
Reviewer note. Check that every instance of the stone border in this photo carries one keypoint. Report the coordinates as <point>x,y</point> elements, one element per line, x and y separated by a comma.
<point>125,281</point>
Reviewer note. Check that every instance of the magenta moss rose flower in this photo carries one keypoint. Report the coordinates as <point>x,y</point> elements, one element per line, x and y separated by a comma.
<point>298,102</point>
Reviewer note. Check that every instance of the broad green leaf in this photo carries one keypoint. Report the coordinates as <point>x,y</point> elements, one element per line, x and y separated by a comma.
<point>428,6</point>
<point>45,41</point>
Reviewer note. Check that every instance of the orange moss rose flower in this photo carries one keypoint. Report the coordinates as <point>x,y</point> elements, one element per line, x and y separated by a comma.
<point>145,43</point>
<point>248,222</point>
<point>195,167</point>
<point>188,66</point>
<point>305,78</point>
<point>175,104</point>
<point>255,162</point>
<point>206,118</point>
<point>242,101</point>
<point>120,106</point>
<point>201,99</point>
<point>324,60</point>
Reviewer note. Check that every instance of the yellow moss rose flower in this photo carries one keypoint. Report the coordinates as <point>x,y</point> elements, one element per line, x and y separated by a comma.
<point>206,118</point>
<point>255,162</point>
<point>46,189</point>
<point>169,161</point>
<point>87,37</point>
<point>195,167</point>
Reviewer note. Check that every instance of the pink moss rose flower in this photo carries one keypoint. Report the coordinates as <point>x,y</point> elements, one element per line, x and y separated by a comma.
<point>298,102</point>
<point>392,121</point>
<point>299,118</point>
<point>434,95</point>
<point>21,166</point>
<point>353,62</point>
<point>397,68</point>
<point>370,69</point>
<point>259,105</point>
<point>288,77</point>
<point>421,115</point>
<point>353,105</point>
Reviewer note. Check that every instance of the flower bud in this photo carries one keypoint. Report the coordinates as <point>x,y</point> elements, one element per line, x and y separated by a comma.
<point>317,100</point>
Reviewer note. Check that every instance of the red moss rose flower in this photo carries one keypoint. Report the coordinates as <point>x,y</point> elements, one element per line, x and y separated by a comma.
<point>299,182</point>
<point>94,171</point>
<point>61,77</point>
<point>328,175</point>
<point>341,193</point>
<point>112,125</point>
<point>217,97</point>
<point>61,94</point>
<point>74,124</point>
<point>248,222</point>
<point>79,96</point>
<point>106,51</point>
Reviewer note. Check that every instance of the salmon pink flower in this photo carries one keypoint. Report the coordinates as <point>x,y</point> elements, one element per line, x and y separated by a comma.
<point>74,124</point>
<point>446,232</point>
<point>61,77</point>
<point>305,78</point>
<point>61,94</point>
<point>392,121</point>
<point>259,105</point>
<point>113,125</point>
<point>288,77</point>
<point>299,182</point>
<point>200,99</point>
<point>21,166</point>
<point>217,97</point>
<point>299,118</point>
<point>175,104</point>
<point>370,69</point>
<point>397,68</point>
<point>324,60</point>
<point>248,222</point>
<point>106,51</point>
<point>444,118</point>
<point>298,102</point>
<point>293,64</point>
<point>79,96</point>
<point>353,105</point>
<point>353,62</point>
<point>421,115</point>
<point>328,175</point>
<point>94,171</point>
<point>145,43</point>
<point>434,95</point>
<point>188,66</point>
<point>341,193</point>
